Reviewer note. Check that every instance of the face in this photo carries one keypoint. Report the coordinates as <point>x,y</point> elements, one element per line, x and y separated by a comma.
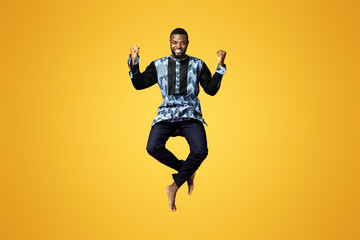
<point>178,45</point>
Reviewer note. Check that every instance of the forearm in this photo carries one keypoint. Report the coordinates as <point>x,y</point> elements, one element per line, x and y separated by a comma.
<point>141,80</point>
<point>138,80</point>
<point>211,84</point>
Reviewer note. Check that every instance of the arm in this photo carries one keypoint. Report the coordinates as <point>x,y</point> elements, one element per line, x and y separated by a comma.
<point>141,80</point>
<point>211,85</point>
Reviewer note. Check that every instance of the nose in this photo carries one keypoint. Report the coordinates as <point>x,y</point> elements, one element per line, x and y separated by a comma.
<point>178,45</point>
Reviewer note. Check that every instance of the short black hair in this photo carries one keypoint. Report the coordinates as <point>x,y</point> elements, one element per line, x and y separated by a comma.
<point>179,31</point>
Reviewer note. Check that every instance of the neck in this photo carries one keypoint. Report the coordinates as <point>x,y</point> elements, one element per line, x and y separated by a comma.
<point>185,56</point>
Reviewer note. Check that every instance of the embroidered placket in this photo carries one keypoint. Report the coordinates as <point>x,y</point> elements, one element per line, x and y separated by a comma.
<point>177,81</point>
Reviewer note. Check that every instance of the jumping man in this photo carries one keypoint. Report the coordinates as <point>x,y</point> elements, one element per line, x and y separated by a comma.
<point>178,76</point>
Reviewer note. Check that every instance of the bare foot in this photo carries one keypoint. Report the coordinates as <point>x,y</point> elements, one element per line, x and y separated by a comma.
<point>190,183</point>
<point>171,192</point>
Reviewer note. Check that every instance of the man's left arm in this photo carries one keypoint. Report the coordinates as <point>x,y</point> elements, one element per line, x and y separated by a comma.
<point>211,85</point>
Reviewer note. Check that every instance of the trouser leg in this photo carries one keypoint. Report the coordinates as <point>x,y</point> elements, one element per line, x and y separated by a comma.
<point>195,135</point>
<point>159,134</point>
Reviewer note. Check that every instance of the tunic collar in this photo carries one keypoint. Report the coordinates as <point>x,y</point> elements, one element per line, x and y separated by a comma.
<point>178,59</point>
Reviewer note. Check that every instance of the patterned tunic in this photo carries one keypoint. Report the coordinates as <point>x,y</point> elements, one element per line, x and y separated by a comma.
<point>179,81</point>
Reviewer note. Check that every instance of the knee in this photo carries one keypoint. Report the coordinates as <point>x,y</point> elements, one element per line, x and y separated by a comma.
<point>153,149</point>
<point>150,149</point>
<point>201,153</point>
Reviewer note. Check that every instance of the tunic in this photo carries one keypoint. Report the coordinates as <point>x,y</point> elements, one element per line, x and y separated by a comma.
<point>178,80</point>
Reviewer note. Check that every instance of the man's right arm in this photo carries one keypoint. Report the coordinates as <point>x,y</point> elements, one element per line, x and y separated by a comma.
<point>141,80</point>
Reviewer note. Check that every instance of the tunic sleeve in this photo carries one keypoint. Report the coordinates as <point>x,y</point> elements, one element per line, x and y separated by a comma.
<point>211,85</point>
<point>145,79</point>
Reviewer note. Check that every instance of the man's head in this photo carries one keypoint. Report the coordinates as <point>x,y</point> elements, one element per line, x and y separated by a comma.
<point>178,42</point>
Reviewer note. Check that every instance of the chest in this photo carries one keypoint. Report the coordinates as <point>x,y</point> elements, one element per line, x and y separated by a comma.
<point>178,77</point>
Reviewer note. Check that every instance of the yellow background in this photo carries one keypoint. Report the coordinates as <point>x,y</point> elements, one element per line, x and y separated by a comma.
<point>283,133</point>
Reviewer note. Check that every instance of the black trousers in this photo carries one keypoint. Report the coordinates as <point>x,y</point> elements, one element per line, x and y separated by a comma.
<point>193,131</point>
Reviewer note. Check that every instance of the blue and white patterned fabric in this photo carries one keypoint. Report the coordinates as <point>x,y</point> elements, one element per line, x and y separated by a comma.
<point>178,80</point>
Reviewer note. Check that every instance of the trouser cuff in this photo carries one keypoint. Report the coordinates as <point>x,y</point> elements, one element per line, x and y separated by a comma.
<point>177,180</point>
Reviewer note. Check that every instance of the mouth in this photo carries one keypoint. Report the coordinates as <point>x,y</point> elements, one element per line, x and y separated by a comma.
<point>178,51</point>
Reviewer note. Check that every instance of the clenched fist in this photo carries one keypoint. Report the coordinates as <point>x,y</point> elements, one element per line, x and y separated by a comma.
<point>221,57</point>
<point>134,51</point>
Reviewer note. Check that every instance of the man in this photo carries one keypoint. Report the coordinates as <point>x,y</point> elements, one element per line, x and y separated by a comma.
<point>178,77</point>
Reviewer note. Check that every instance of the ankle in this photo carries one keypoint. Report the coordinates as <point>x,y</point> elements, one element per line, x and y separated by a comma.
<point>174,187</point>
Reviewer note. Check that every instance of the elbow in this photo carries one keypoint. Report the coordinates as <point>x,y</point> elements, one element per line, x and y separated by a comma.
<point>136,86</point>
<point>212,92</point>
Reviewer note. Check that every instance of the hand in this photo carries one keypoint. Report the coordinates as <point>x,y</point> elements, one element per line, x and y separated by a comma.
<point>134,51</point>
<point>221,57</point>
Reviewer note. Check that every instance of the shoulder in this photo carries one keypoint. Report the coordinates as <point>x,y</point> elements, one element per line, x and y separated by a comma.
<point>195,59</point>
<point>197,62</point>
<point>160,61</point>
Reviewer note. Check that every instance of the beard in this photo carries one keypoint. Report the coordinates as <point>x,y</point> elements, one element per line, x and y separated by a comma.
<point>178,56</point>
